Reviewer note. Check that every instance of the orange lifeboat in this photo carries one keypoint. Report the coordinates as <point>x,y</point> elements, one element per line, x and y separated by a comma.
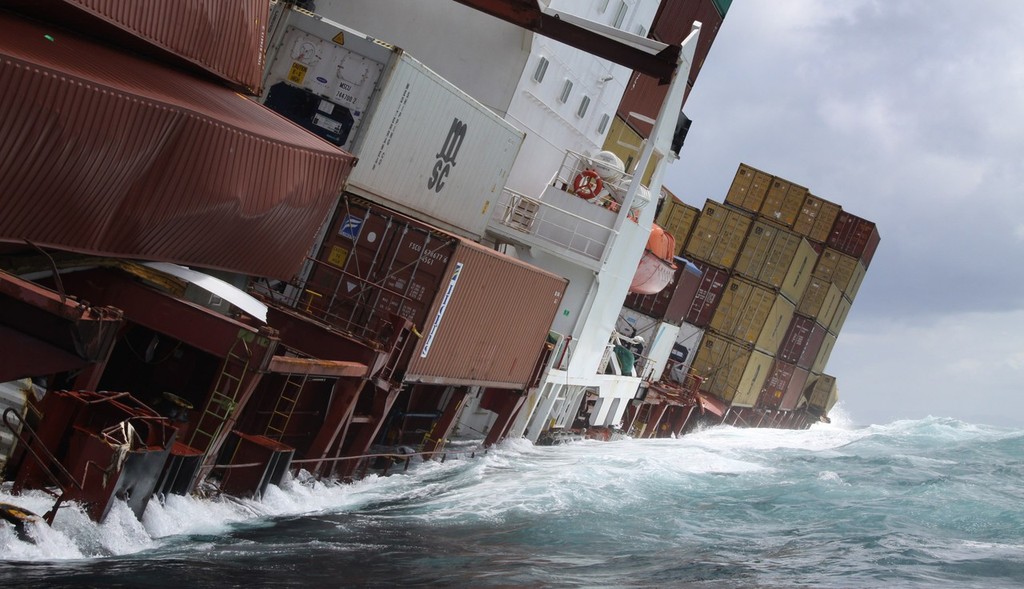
<point>656,267</point>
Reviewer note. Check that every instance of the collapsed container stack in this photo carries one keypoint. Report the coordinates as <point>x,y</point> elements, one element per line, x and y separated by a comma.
<point>776,270</point>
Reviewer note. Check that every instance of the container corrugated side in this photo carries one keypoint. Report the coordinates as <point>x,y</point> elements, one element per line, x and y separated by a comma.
<point>748,188</point>
<point>820,300</point>
<point>488,322</point>
<point>685,348</point>
<point>821,360</point>
<point>748,389</point>
<point>856,280</point>
<point>802,341</point>
<point>794,392</point>
<point>147,162</point>
<point>213,37</point>
<point>708,295</point>
<point>718,235</point>
<point>783,202</point>
<point>775,325</point>
<point>816,218</point>
<point>677,218</point>
<point>430,149</point>
<point>783,387</point>
<point>839,319</point>
<point>799,273</point>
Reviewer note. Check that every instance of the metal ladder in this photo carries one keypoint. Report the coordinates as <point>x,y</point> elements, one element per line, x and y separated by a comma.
<point>285,406</point>
<point>224,397</point>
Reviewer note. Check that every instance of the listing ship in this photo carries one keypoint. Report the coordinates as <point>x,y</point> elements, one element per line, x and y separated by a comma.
<point>220,264</point>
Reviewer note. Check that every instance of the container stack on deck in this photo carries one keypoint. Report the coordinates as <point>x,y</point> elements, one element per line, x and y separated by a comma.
<point>779,269</point>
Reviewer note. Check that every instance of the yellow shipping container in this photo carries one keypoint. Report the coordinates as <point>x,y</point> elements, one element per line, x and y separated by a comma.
<point>718,235</point>
<point>822,393</point>
<point>836,267</point>
<point>678,218</point>
<point>775,326</point>
<point>798,275</point>
<point>754,253</point>
<point>748,389</point>
<point>816,218</point>
<point>721,361</point>
<point>748,188</point>
<point>783,202</point>
<point>836,325</point>
<point>743,309</point>
<point>624,142</point>
<point>820,300</point>
<point>856,280</point>
<point>821,360</point>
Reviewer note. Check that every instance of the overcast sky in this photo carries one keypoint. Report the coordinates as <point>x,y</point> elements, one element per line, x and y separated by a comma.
<point>909,113</point>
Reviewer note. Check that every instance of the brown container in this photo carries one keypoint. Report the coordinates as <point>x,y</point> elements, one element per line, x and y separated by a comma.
<point>821,393</point>
<point>708,295</point>
<point>816,218</point>
<point>111,155</point>
<point>855,281</point>
<point>854,237</point>
<point>671,25</point>
<point>677,218</point>
<point>798,274</point>
<point>673,302</point>
<point>776,257</point>
<point>783,387</point>
<point>748,189</point>
<point>748,389</point>
<point>718,235</point>
<point>214,38</point>
<point>488,323</point>
<point>820,300</point>
<point>837,268</point>
<point>375,262</point>
<point>783,202</point>
<point>802,341</point>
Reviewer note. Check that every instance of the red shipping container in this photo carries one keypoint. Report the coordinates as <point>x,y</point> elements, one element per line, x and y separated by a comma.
<point>783,387</point>
<point>673,302</point>
<point>791,398</point>
<point>218,38</point>
<point>855,237</point>
<point>708,295</point>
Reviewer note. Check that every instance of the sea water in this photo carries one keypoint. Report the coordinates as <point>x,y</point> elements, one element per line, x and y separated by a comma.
<point>926,503</point>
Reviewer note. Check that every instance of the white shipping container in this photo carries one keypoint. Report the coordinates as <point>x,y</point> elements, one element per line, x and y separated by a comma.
<point>425,147</point>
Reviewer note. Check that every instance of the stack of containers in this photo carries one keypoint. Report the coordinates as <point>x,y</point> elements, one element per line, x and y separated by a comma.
<point>791,264</point>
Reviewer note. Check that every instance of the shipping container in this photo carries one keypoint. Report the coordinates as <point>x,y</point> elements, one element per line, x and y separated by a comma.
<point>748,189</point>
<point>425,147</point>
<point>708,295</point>
<point>820,300</point>
<point>783,202</point>
<point>109,154</point>
<point>488,323</point>
<point>822,393</point>
<point>855,281</point>
<point>821,360</point>
<point>212,38</point>
<point>816,218</point>
<point>802,341</point>
<point>684,351</point>
<point>671,25</point>
<point>718,235</point>
<point>778,258</point>
<point>374,262</point>
<point>677,218</point>
<point>839,319</point>
<point>753,314</point>
<point>783,387</point>
<point>722,361</point>
<point>673,302</point>
<point>854,237</point>
<point>625,142</point>
<point>748,389</point>
<point>837,268</point>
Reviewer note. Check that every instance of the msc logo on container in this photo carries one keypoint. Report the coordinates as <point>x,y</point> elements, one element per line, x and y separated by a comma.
<point>446,157</point>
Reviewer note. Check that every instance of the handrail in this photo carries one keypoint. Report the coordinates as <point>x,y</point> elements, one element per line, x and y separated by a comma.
<point>49,515</point>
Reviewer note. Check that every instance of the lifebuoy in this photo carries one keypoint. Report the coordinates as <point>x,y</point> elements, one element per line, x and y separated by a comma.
<point>587,184</point>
